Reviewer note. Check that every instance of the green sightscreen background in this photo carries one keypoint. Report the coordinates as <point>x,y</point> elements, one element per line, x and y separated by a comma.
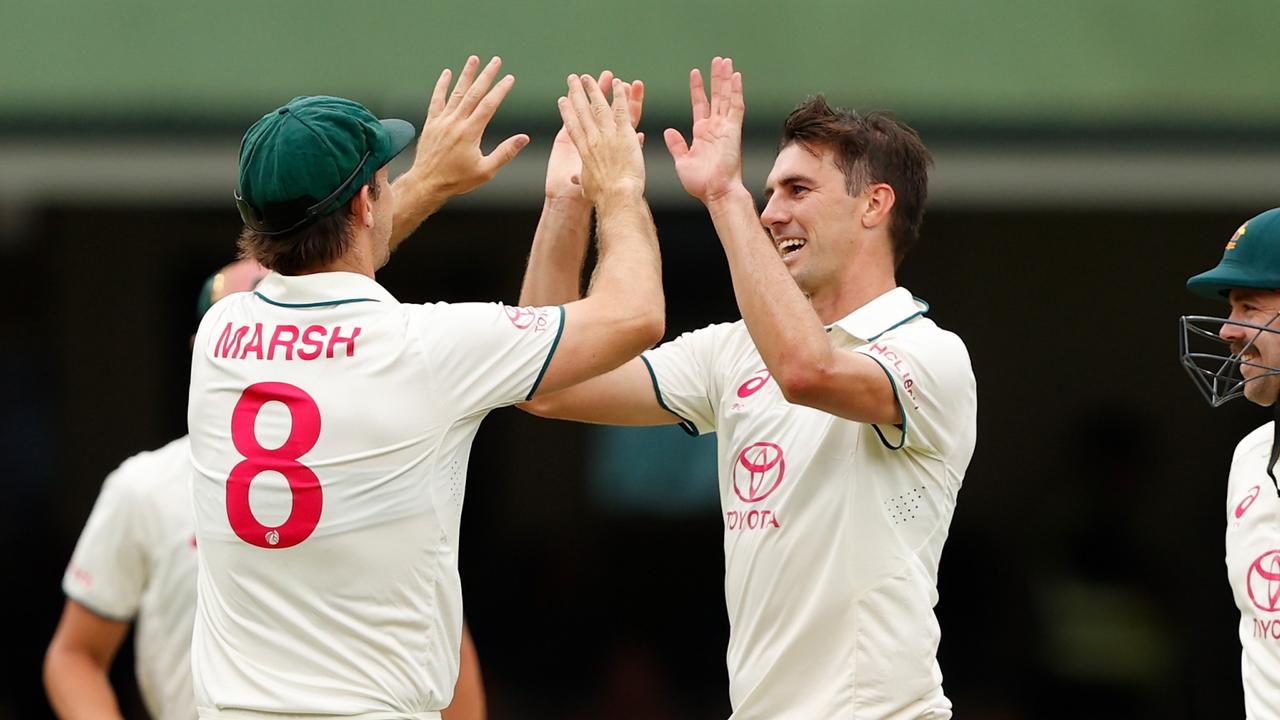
<point>1167,62</point>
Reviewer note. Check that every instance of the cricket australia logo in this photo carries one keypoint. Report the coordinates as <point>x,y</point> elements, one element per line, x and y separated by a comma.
<point>757,472</point>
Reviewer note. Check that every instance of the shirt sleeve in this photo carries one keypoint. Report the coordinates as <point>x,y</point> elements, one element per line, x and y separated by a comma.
<point>934,386</point>
<point>109,567</point>
<point>685,379</point>
<point>487,355</point>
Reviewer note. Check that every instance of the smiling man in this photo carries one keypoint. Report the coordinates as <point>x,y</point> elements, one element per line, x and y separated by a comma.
<point>1247,278</point>
<point>845,418</point>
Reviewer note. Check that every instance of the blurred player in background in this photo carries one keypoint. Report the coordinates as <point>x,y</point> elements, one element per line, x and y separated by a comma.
<point>1248,279</point>
<point>845,419</point>
<point>137,559</point>
<point>331,425</point>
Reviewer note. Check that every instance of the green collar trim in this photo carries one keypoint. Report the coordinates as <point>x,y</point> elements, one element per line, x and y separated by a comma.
<point>326,303</point>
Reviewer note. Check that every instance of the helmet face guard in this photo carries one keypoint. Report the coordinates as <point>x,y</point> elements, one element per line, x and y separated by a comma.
<point>1207,358</point>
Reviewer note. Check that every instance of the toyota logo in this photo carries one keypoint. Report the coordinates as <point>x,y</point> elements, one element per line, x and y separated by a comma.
<point>521,317</point>
<point>758,471</point>
<point>1263,581</point>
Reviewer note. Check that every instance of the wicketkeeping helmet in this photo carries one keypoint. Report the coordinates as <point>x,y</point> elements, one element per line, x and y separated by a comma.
<point>1251,260</point>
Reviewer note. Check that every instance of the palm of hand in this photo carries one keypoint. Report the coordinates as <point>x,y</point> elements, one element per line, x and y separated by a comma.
<point>563,165</point>
<point>714,161</point>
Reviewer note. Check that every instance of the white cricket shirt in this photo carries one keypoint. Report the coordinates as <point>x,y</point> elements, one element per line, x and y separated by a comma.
<point>1253,567</point>
<point>137,557</point>
<point>832,529</point>
<point>330,432</point>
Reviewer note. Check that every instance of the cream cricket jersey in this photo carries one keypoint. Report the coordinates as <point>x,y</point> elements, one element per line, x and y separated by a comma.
<point>1253,567</point>
<point>137,557</point>
<point>832,528</point>
<point>330,432</point>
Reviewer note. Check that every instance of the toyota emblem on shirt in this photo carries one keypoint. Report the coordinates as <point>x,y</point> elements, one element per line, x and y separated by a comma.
<point>758,471</point>
<point>520,317</point>
<point>1263,581</point>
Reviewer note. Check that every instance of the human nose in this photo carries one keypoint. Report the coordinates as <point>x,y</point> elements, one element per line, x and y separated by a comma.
<point>1231,332</point>
<point>774,211</point>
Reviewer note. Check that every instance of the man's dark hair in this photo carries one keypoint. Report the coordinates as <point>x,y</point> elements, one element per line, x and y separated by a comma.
<point>319,243</point>
<point>873,148</point>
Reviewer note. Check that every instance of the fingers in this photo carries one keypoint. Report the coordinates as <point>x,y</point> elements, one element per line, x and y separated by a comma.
<point>438,94</point>
<point>738,106</point>
<point>599,105</point>
<point>587,126</point>
<point>698,97</point>
<point>635,101</point>
<point>606,80</point>
<point>487,107</point>
<point>717,64</point>
<point>464,82</point>
<point>721,85</point>
<point>621,110</point>
<point>675,143</point>
<point>572,125</point>
<point>478,89</point>
<point>504,153</point>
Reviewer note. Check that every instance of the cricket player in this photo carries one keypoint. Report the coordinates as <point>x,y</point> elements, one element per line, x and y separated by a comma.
<point>137,559</point>
<point>845,418</point>
<point>331,425</point>
<point>1248,279</point>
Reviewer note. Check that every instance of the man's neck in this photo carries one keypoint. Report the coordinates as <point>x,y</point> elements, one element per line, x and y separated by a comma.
<point>357,259</point>
<point>850,295</point>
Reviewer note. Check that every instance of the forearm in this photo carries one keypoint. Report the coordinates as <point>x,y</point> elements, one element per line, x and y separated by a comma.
<point>629,268</point>
<point>782,323</point>
<point>554,273</point>
<point>416,199</point>
<point>78,687</point>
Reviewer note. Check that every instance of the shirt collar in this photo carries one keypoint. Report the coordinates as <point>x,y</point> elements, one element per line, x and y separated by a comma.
<point>320,289</point>
<point>882,314</point>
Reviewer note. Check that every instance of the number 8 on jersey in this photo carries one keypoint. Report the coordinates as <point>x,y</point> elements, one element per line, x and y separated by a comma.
<point>304,486</point>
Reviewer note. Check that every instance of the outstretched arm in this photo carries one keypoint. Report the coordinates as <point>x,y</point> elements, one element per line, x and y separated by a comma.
<point>554,273</point>
<point>448,160</point>
<point>783,324</point>
<point>623,313</point>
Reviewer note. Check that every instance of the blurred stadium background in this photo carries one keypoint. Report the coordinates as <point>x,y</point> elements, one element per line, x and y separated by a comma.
<point>1090,156</point>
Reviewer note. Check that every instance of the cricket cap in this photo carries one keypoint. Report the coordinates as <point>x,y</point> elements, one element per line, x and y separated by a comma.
<point>309,157</point>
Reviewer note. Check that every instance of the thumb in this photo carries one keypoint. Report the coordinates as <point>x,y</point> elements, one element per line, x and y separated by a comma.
<point>505,152</point>
<point>675,143</point>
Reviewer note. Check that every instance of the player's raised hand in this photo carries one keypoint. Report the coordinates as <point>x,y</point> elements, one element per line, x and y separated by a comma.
<point>448,153</point>
<point>711,165</point>
<point>607,144</point>
<point>564,166</point>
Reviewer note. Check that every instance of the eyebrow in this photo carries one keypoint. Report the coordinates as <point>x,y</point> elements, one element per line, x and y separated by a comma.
<point>789,180</point>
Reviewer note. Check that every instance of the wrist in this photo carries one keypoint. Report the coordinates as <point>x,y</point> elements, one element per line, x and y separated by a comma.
<point>733,195</point>
<point>421,191</point>
<point>567,202</point>
<point>620,193</point>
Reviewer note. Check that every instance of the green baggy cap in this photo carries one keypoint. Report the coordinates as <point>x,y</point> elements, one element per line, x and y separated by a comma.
<point>1251,260</point>
<point>303,153</point>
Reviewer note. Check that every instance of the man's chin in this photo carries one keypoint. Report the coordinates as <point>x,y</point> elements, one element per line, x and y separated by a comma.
<point>1260,394</point>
